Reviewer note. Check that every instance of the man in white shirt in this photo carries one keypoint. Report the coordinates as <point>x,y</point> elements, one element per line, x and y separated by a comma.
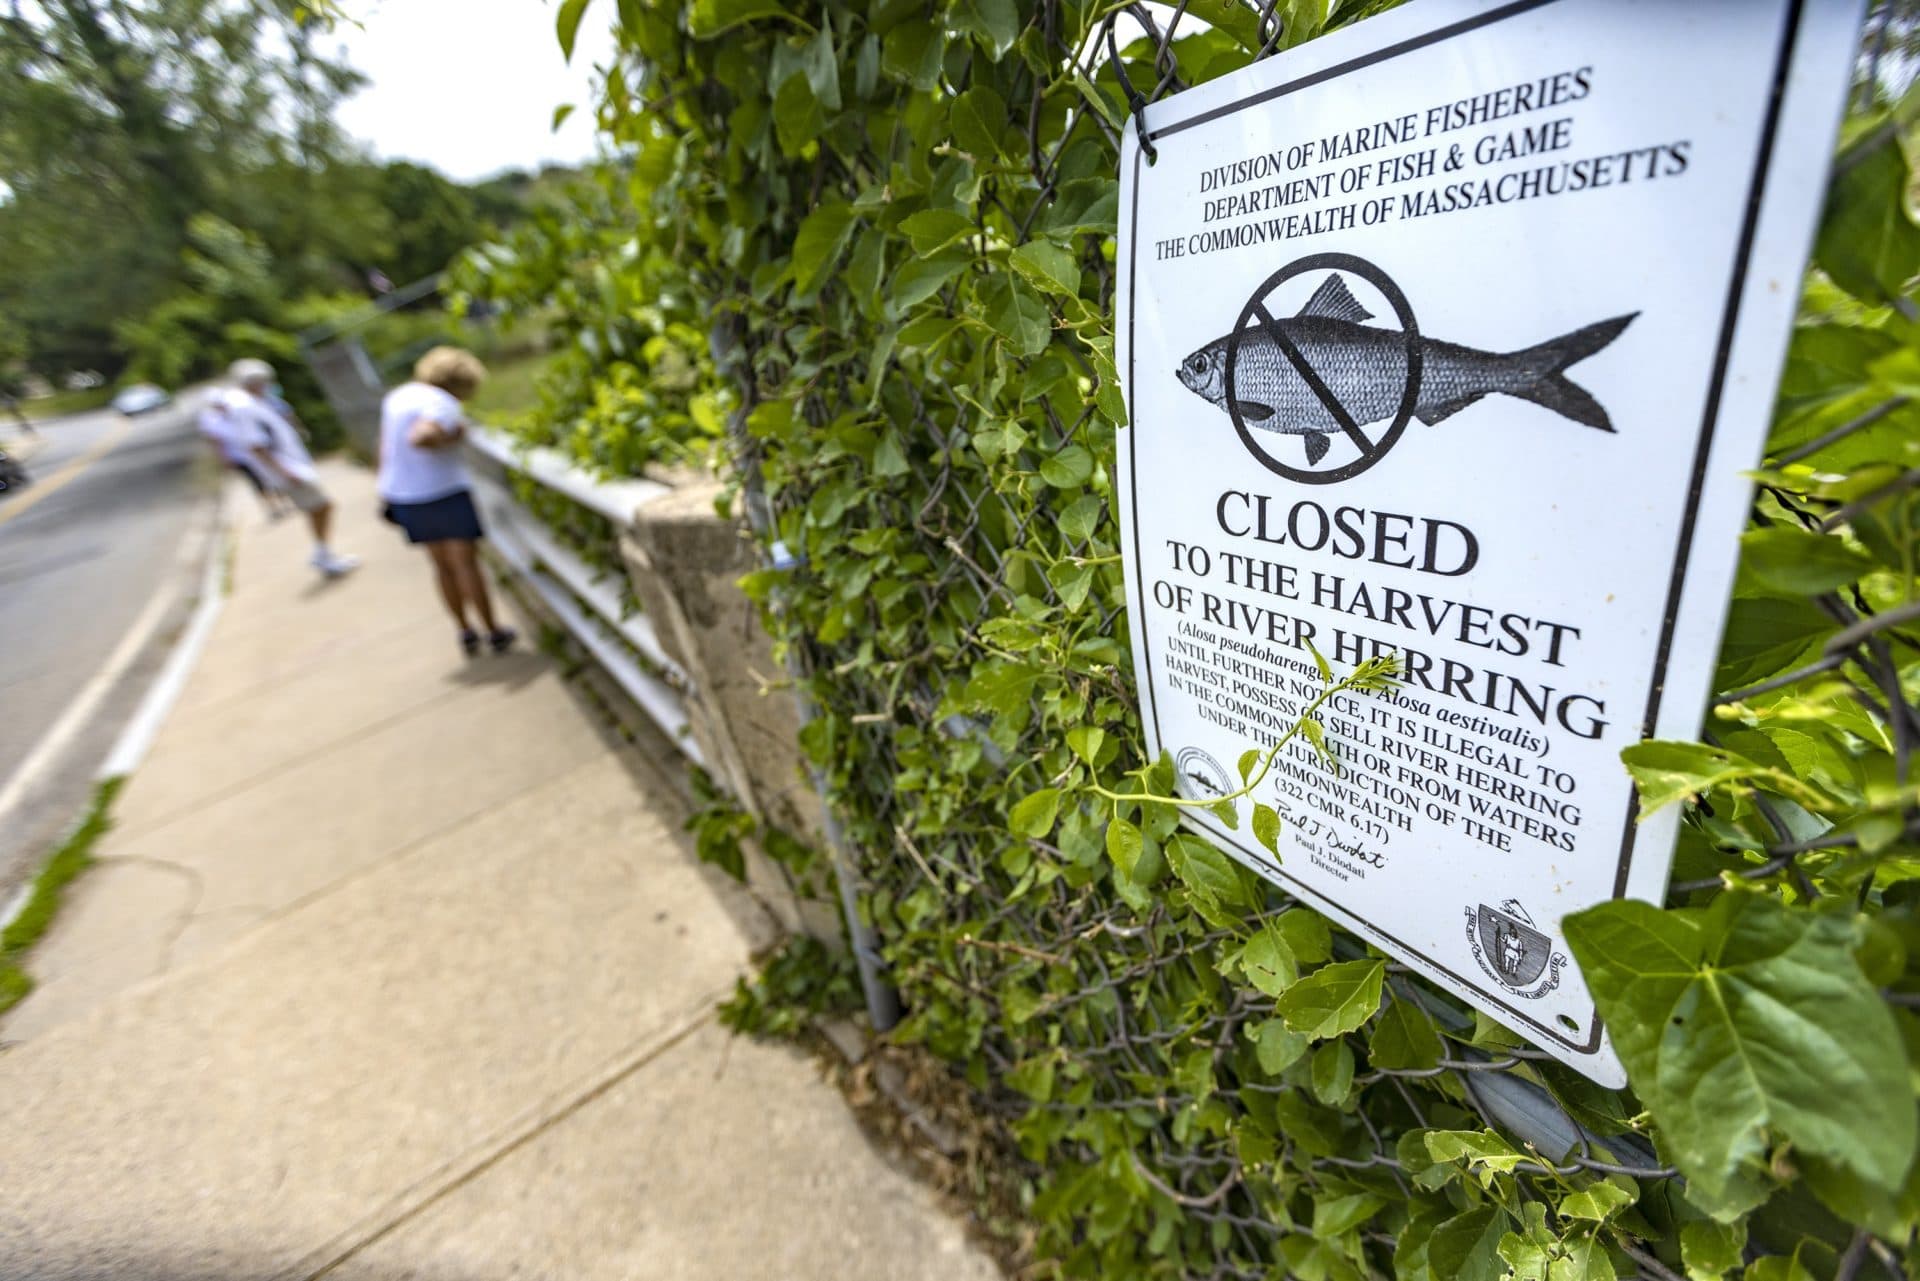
<point>255,426</point>
<point>217,432</point>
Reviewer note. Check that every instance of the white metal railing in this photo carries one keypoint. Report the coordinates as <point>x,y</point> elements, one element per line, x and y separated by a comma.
<point>617,500</point>
<point>591,610</point>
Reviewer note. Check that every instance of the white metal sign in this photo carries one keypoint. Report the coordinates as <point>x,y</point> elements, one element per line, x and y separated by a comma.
<point>1451,335</point>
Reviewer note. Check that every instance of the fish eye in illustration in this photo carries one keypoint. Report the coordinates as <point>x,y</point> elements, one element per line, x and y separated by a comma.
<point>1363,371</point>
<point>1205,372</point>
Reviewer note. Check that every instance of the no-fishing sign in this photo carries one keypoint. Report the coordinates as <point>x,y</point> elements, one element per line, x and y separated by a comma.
<point>1449,336</point>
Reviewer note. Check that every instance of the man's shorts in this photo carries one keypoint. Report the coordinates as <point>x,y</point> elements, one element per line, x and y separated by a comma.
<point>252,472</point>
<point>306,495</point>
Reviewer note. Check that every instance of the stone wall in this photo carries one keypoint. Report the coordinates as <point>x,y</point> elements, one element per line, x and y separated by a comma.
<point>685,561</point>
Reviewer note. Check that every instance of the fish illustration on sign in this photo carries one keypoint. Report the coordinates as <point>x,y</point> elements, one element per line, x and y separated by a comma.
<point>1364,369</point>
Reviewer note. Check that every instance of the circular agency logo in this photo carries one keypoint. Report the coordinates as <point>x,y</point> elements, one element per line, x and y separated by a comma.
<point>1320,380</point>
<point>1199,776</point>
<point>1512,950</point>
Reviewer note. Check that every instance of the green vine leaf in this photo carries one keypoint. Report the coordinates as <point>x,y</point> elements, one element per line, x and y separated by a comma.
<point>1332,1072</point>
<point>1033,815</point>
<point>1583,1257</point>
<point>1711,1250</point>
<point>1209,875</point>
<point>979,118</point>
<point>1467,1246</point>
<point>1744,1019</point>
<point>995,23</point>
<point>1123,845</point>
<point>1334,999</point>
<point>1266,827</point>
<point>1404,1038</point>
<point>1669,772</point>
<point>1597,1202</point>
<point>1085,741</point>
<point>1335,1215</point>
<point>1780,1267</point>
<point>1069,468</point>
<point>1278,1047</point>
<point>1081,518</point>
<point>1798,562</point>
<point>1320,661</point>
<point>920,278</point>
<point>890,456</point>
<point>912,52</point>
<point>1005,688</point>
<point>1248,760</point>
<point>935,229</point>
<point>817,245</point>
<point>1766,634</point>
<point>1033,1078</point>
<point>798,117</point>
<point>1306,934</point>
<point>1317,736</point>
<point>1048,266</point>
<point>567,25</point>
<point>710,18</point>
<point>1268,962</point>
<point>1869,242</point>
<point>1482,1151</point>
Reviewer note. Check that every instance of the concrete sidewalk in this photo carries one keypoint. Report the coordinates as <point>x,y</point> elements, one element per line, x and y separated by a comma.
<point>397,966</point>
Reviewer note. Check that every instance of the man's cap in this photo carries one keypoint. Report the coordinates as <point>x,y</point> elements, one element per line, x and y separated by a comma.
<point>250,370</point>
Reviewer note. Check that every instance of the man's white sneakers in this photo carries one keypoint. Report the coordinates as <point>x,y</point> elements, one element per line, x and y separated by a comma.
<point>332,565</point>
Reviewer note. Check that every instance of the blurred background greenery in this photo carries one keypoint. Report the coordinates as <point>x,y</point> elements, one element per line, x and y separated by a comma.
<point>175,192</point>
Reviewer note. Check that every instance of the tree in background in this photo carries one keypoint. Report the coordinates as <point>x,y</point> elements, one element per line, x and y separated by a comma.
<point>433,219</point>
<point>13,353</point>
<point>120,120</point>
<point>172,178</point>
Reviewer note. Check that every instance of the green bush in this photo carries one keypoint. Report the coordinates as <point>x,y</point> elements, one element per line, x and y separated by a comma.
<point>231,308</point>
<point>899,218</point>
<point>630,381</point>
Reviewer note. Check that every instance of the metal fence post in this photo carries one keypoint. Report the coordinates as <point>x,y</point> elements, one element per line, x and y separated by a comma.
<point>883,1000</point>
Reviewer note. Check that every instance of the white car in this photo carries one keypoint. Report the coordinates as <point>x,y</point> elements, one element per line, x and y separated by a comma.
<point>140,398</point>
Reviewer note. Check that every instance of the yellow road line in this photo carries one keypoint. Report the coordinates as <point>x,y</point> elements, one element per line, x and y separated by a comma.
<point>21,501</point>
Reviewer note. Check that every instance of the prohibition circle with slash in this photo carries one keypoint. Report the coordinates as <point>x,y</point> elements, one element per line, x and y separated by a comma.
<point>1257,318</point>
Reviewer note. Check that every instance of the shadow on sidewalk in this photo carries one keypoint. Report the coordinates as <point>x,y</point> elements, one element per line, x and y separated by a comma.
<point>512,670</point>
<point>324,585</point>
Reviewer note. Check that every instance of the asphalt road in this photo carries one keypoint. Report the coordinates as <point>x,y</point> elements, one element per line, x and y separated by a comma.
<point>88,552</point>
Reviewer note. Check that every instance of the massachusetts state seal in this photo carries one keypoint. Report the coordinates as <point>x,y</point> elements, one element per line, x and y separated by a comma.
<point>1199,776</point>
<point>1514,953</point>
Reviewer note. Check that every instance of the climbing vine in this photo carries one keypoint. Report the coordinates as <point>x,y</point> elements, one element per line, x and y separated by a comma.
<point>893,221</point>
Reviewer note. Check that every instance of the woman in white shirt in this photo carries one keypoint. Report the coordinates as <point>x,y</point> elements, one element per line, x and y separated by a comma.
<point>423,482</point>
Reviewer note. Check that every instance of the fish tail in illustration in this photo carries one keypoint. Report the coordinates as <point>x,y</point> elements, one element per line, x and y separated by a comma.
<point>1540,372</point>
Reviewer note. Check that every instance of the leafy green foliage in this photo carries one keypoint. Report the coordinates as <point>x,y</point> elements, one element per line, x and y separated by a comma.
<point>802,981</point>
<point>721,830</point>
<point>132,127</point>
<point>1762,1011</point>
<point>69,859</point>
<point>629,382</point>
<point>894,224</point>
<point>717,832</point>
<point>229,307</point>
<point>1870,244</point>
